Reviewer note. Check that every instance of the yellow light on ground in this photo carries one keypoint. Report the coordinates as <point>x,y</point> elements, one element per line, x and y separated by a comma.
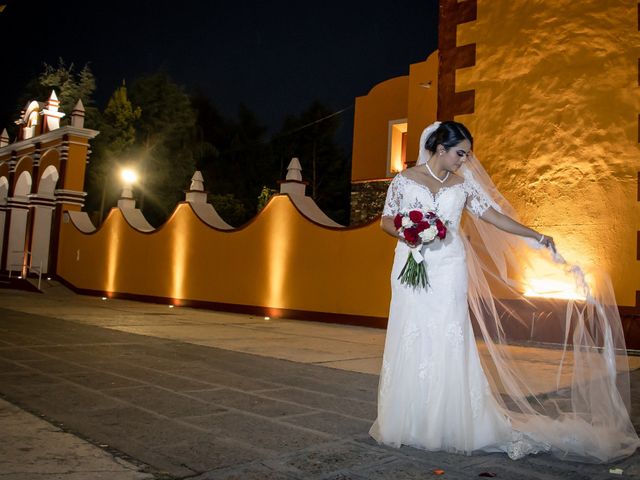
<point>129,176</point>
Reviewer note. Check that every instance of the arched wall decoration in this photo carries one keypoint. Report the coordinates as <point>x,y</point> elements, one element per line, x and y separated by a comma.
<point>55,157</point>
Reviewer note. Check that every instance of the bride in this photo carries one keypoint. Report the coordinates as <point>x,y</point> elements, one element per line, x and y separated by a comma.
<point>545,374</point>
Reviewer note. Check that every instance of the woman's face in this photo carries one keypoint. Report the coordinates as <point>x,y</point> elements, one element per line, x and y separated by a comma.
<point>453,158</point>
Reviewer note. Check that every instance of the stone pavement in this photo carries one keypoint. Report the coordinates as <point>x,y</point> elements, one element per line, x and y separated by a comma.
<point>168,408</point>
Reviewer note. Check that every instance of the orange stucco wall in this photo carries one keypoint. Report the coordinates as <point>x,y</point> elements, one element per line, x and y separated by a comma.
<point>385,102</point>
<point>280,260</point>
<point>423,101</point>
<point>413,97</point>
<point>556,122</point>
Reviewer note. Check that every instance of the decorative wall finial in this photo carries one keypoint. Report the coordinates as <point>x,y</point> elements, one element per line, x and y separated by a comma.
<point>77,115</point>
<point>4,138</point>
<point>196,193</point>
<point>51,114</point>
<point>293,185</point>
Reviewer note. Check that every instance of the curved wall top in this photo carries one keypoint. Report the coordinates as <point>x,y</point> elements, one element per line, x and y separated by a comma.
<point>280,260</point>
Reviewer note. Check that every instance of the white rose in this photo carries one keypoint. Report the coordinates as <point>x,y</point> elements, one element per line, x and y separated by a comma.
<point>429,234</point>
<point>406,222</point>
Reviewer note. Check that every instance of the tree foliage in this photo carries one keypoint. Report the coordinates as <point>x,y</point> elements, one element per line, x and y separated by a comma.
<point>70,86</point>
<point>310,136</point>
<point>155,127</point>
<point>168,144</point>
<point>111,149</point>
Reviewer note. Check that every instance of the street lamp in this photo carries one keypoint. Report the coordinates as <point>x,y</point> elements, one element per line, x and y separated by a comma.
<point>128,176</point>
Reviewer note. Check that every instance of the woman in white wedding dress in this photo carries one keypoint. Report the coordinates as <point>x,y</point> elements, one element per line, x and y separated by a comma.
<point>435,390</point>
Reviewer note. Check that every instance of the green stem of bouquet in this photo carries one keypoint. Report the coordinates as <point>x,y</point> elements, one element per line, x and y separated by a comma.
<point>414,274</point>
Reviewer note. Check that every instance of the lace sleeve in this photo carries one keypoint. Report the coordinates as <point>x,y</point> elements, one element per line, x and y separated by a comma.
<point>478,201</point>
<point>394,198</point>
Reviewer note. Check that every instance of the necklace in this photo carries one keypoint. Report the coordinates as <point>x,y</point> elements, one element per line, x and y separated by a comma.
<point>434,175</point>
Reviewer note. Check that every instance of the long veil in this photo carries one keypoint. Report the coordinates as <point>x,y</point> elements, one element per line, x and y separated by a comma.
<point>550,337</point>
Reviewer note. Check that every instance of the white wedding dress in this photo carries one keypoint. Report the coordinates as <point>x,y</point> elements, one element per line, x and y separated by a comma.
<point>437,393</point>
<point>433,393</point>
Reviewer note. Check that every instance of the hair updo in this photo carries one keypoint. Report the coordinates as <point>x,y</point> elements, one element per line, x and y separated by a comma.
<point>448,134</point>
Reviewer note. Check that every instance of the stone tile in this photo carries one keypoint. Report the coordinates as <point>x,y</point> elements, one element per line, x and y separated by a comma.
<point>263,433</point>
<point>164,402</point>
<point>21,354</point>
<point>253,471</point>
<point>401,469</point>
<point>164,466</point>
<point>100,380</point>
<point>223,379</point>
<point>253,403</point>
<point>327,459</point>
<point>171,382</point>
<point>370,366</point>
<point>118,425</point>
<point>347,406</point>
<point>24,379</point>
<point>206,454</point>
<point>331,423</point>
<point>55,399</point>
<point>56,367</point>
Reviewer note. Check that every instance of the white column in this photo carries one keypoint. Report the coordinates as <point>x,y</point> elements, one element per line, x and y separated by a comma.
<point>17,232</point>
<point>42,224</point>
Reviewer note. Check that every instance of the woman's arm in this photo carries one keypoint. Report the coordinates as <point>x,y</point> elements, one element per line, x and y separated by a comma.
<point>508,224</point>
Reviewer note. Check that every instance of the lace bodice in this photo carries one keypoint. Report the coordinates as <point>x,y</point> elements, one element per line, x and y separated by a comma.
<point>407,194</point>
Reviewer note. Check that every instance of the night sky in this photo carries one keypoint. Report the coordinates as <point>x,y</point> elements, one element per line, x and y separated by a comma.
<point>275,57</point>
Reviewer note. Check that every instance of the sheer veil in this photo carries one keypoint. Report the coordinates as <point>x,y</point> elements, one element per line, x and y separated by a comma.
<point>549,335</point>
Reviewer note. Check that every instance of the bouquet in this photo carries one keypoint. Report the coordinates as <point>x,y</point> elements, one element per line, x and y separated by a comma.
<point>418,227</point>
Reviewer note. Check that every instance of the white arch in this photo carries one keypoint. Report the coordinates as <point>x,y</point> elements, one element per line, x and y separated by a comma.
<point>4,193</point>
<point>23,185</point>
<point>4,190</point>
<point>48,181</point>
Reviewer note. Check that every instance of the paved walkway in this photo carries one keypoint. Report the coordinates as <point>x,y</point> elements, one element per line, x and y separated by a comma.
<point>132,390</point>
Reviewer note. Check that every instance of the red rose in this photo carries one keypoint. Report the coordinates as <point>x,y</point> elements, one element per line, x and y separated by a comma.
<point>415,216</point>
<point>397,221</point>
<point>422,226</point>
<point>442,230</point>
<point>411,235</point>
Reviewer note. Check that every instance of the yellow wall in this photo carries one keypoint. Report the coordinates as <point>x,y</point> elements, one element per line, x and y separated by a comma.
<point>280,260</point>
<point>556,122</point>
<point>399,98</point>
<point>423,102</point>
<point>386,101</point>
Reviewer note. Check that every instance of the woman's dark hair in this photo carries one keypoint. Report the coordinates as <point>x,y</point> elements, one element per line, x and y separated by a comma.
<point>449,134</point>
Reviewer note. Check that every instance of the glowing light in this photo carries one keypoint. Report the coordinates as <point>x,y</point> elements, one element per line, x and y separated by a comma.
<point>546,288</point>
<point>171,306</point>
<point>129,176</point>
<point>397,146</point>
<point>278,252</point>
<point>267,318</point>
<point>179,249</point>
<point>104,298</point>
<point>113,253</point>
